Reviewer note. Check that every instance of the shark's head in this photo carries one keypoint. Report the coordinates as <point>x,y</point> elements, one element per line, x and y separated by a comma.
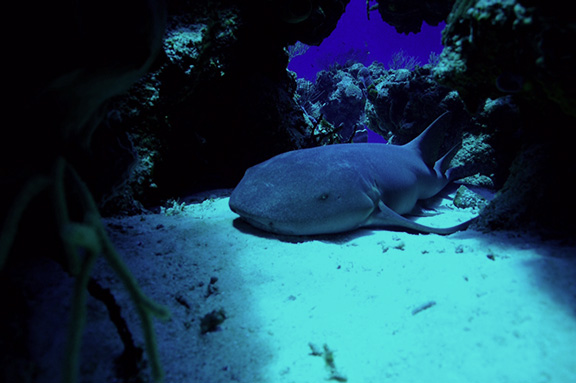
<point>294,194</point>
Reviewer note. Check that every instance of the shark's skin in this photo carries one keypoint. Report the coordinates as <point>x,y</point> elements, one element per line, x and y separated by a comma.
<point>337,188</point>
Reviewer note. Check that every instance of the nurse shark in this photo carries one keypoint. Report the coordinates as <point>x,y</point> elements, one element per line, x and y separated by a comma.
<point>338,188</point>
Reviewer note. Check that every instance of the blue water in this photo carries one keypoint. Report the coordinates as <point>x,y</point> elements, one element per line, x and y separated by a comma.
<point>358,39</point>
<point>365,41</point>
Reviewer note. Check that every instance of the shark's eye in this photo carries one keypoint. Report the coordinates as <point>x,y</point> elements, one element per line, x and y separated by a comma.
<point>323,196</point>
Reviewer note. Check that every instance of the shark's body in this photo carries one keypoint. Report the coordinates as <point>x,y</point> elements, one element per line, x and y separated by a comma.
<point>338,188</point>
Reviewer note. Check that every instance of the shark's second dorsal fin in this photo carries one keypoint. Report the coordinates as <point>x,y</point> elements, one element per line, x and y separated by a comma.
<point>428,143</point>
<point>443,164</point>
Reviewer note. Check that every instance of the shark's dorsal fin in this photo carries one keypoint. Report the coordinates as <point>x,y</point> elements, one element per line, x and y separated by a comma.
<point>429,141</point>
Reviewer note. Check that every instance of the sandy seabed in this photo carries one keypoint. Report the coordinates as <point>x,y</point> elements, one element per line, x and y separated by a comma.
<point>369,306</point>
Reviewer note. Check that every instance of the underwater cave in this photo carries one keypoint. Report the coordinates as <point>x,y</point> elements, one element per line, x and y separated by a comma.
<point>288,190</point>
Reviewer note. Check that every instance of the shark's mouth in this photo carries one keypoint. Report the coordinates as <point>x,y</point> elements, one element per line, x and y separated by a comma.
<point>260,222</point>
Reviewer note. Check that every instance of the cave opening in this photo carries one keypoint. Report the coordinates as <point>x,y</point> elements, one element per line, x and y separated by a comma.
<point>365,40</point>
<point>361,39</point>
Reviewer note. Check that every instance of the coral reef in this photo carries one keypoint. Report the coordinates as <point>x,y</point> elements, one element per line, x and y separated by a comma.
<point>398,103</point>
<point>512,46</point>
<point>207,109</point>
<point>518,48</point>
<point>339,97</point>
<point>404,101</point>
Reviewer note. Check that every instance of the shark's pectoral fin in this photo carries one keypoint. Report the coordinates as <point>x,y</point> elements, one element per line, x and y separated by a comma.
<point>420,210</point>
<point>386,217</point>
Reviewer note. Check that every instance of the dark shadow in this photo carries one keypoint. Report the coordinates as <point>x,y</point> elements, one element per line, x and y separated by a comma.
<point>552,270</point>
<point>244,227</point>
<point>555,272</point>
<point>336,238</point>
<point>559,278</point>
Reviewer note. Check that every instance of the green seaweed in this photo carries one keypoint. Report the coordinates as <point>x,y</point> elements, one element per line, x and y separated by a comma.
<point>83,242</point>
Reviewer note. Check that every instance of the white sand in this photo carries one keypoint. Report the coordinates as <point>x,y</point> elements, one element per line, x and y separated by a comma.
<point>504,305</point>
